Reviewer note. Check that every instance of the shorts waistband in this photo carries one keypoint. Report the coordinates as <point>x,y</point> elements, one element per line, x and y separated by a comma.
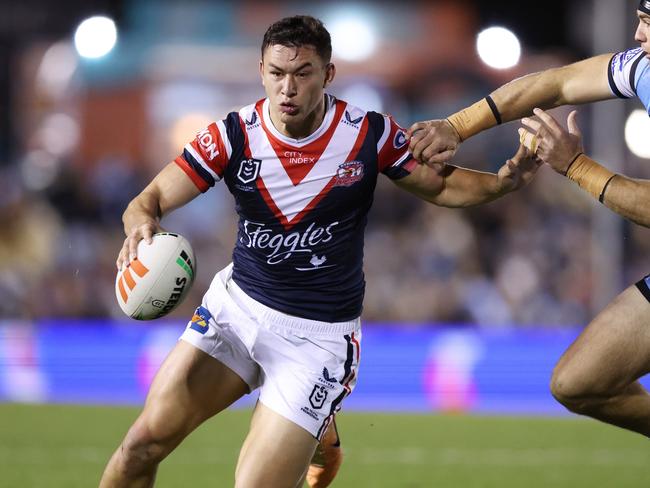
<point>289,322</point>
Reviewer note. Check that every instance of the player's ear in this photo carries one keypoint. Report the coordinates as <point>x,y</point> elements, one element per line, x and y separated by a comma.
<point>330,72</point>
<point>262,70</point>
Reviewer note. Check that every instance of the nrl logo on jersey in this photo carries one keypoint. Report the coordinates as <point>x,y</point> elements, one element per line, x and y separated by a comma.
<point>350,121</point>
<point>249,169</point>
<point>349,173</point>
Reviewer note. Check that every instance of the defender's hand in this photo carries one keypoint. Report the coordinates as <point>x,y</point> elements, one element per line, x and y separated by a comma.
<point>550,141</point>
<point>433,142</point>
<point>518,171</point>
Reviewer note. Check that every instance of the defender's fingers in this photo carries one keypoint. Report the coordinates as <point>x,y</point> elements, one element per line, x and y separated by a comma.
<point>532,124</point>
<point>572,124</point>
<point>521,152</point>
<point>421,145</point>
<point>414,128</point>
<point>548,120</point>
<point>442,157</point>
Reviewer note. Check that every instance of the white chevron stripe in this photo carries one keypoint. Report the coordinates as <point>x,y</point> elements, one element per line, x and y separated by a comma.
<point>289,198</point>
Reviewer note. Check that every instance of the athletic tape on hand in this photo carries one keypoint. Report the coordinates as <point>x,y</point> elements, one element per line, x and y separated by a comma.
<point>528,140</point>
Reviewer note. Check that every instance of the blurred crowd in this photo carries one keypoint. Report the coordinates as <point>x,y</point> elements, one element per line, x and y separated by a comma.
<point>526,259</point>
<point>522,260</point>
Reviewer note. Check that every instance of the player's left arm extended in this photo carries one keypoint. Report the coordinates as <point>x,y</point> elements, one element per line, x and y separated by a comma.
<point>452,186</point>
<point>629,198</point>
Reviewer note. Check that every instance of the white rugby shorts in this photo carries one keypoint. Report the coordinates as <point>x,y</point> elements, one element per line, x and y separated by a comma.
<point>304,368</point>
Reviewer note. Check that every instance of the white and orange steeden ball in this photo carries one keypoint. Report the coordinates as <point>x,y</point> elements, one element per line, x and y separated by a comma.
<point>155,282</point>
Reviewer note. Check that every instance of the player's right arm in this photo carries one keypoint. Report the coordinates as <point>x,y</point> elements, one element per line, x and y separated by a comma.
<point>436,141</point>
<point>169,190</point>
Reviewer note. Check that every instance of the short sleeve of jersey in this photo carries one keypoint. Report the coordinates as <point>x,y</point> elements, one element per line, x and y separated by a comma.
<point>205,158</point>
<point>623,72</point>
<point>393,156</point>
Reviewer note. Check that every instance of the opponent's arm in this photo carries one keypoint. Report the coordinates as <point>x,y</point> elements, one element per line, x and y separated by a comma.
<point>451,186</point>
<point>562,149</point>
<point>586,81</point>
<point>170,189</point>
<point>629,198</point>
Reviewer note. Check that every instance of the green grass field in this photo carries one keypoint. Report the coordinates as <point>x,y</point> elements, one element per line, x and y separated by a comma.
<point>65,446</point>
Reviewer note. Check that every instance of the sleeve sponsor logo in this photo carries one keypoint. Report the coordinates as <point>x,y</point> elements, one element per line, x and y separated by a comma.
<point>207,143</point>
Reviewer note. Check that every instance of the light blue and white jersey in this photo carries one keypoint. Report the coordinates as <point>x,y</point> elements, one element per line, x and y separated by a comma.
<point>629,75</point>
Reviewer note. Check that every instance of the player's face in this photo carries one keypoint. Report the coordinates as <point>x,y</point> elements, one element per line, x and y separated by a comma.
<point>642,34</point>
<point>294,80</point>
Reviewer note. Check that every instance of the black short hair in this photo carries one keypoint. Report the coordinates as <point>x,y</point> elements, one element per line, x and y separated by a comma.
<point>298,31</point>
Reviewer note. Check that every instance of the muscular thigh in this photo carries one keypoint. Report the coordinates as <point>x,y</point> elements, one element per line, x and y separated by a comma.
<point>614,349</point>
<point>276,452</point>
<point>190,387</point>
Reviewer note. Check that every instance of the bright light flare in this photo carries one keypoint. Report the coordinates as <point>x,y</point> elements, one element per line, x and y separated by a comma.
<point>95,37</point>
<point>637,128</point>
<point>498,47</point>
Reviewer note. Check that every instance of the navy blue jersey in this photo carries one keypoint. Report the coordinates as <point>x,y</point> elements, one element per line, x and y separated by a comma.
<point>302,204</point>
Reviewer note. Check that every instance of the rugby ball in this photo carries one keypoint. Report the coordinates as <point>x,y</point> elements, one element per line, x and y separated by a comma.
<point>158,279</point>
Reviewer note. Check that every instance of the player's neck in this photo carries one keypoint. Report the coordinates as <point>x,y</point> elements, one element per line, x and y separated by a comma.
<point>305,128</point>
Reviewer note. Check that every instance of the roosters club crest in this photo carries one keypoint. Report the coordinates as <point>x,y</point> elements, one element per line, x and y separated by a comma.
<point>349,173</point>
<point>249,169</point>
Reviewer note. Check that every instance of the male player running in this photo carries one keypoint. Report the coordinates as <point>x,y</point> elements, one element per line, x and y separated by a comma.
<point>284,316</point>
<point>598,375</point>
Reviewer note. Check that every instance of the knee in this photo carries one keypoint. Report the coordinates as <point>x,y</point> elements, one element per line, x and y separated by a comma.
<point>140,451</point>
<point>571,390</point>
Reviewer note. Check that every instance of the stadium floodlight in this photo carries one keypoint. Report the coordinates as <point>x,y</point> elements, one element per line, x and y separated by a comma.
<point>637,128</point>
<point>498,47</point>
<point>95,37</point>
<point>353,39</point>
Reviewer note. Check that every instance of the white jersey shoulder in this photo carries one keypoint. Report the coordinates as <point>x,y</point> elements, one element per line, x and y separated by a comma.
<point>624,72</point>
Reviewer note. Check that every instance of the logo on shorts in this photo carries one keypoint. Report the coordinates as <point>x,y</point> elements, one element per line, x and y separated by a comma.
<point>248,170</point>
<point>318,397</point>
<point>200,320</point>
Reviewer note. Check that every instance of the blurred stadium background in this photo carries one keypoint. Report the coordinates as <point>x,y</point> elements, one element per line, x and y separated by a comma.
<point>466,311</point>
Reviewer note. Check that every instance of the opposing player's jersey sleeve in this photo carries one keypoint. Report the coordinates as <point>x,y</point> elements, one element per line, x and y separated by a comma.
<point>205,158</point>
<point>393,155</point>
<point>623,72</point>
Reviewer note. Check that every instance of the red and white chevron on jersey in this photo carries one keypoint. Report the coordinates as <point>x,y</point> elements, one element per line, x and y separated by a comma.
<point>302,204</point>
<point>296,175</point>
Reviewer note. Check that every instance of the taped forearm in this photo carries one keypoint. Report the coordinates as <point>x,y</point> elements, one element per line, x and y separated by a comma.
<point>590,175</point>
<point>475,118</point>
